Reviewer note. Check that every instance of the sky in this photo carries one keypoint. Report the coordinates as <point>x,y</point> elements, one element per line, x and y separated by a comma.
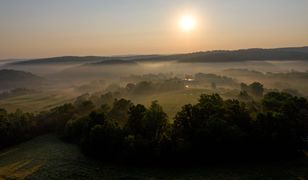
<point>45,28</point>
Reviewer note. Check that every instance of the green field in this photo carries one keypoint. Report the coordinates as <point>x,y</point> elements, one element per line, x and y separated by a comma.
<point>173,101</point>
<point>36,102</point>
<point>170,101</point>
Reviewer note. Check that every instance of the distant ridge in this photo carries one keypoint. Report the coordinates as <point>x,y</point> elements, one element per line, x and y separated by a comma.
<point>253,54</point>
<point>299,53</point>
<point>113,62</point>
<point>60,60</point>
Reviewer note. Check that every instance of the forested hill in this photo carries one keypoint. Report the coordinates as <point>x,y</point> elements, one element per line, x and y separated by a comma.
<point>248,54</point>
<point>292,53</point>
<point>295,53</point>
<point>18,79</point>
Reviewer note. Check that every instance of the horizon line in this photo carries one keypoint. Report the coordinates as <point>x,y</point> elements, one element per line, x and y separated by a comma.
<point>150,54</point>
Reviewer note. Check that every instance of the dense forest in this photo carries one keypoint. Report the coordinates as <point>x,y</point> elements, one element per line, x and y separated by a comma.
<point>213,129</point>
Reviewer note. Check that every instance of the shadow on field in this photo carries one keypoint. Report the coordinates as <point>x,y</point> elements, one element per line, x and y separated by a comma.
<point>47,157</point>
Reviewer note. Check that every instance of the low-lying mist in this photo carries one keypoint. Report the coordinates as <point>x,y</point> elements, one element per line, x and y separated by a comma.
<point>171,83</point>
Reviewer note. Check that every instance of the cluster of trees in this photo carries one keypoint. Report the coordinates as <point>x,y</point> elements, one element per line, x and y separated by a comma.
<point>215,79</point>
<point>255,89</point>
<point>148,87</point>
<point>140,138</point>
<point>114,91</point>
<point>293,82</point>
<point>212,129</point>
<point>16,127</point>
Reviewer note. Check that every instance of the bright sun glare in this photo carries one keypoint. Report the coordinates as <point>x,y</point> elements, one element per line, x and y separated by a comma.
<point>187,23</point>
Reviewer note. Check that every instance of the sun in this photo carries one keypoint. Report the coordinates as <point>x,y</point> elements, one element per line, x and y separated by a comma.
<point>187,23</point>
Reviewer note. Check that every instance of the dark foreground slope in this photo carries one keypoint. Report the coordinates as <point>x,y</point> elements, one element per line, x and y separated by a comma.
<point>47,157</point>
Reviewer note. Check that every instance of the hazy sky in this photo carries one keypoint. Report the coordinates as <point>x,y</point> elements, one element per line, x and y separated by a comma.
<point>42,28</point>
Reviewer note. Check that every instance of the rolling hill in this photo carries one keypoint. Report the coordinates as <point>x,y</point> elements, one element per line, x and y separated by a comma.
<point>255,54</point>
<point>18,79</point>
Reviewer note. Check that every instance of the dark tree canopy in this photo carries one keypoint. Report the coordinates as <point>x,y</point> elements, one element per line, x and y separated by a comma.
<point>255,89</point>
<point>213,129</point>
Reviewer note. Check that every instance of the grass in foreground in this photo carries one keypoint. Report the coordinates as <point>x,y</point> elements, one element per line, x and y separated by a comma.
<point>47,157</point>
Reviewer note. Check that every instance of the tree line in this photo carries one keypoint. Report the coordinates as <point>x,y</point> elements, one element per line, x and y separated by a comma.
<point>213,129</point>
